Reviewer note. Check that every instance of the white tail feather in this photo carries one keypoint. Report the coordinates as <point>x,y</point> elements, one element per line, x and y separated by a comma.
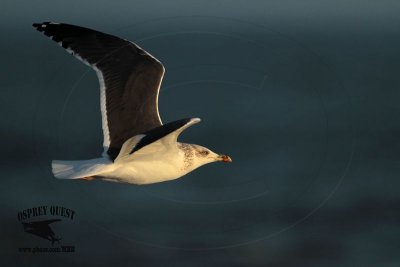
<point>79,168</point>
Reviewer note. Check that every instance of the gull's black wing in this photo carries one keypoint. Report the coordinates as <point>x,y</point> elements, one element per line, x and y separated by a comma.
<point>129,79</point>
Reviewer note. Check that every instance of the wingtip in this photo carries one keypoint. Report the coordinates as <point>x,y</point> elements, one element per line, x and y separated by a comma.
<point>41,26</point>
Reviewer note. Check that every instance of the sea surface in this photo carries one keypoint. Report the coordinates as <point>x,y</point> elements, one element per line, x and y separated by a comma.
<point>302,95</point>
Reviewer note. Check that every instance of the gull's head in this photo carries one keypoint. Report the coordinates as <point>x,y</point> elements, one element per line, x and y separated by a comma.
<point>204,155</point>
<point>196,156</point>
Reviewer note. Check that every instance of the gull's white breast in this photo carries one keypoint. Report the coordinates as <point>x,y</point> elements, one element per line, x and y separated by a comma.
<point>147,168</point>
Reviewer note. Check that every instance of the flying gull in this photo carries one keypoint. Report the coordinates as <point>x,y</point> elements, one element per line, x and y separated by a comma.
<point>138,148</point>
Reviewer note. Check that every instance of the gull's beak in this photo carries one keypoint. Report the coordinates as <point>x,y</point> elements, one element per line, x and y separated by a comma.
<point>224,158</point>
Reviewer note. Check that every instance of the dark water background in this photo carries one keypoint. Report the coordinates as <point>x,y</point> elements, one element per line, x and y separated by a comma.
<point>302,94</point>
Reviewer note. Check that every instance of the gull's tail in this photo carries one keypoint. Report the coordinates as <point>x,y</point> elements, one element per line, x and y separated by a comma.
<point>77,169</point>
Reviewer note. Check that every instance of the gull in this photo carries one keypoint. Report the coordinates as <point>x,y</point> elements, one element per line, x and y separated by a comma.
<point>138,147</point>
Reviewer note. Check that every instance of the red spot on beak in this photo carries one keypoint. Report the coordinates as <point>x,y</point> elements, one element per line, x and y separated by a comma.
<point>225,158</point>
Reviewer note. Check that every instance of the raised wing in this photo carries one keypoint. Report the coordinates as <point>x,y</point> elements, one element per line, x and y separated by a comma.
<point>159,138</point>
<point>168,133</point>
<point>129,79</point>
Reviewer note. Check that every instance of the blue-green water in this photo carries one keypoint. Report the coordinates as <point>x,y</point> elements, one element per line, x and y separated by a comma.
<point>303,97</point>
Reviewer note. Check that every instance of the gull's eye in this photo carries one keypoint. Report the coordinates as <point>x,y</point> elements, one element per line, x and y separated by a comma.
<point>204,152</point>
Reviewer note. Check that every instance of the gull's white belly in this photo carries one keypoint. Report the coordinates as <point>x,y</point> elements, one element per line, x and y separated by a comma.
<point>146,170</point>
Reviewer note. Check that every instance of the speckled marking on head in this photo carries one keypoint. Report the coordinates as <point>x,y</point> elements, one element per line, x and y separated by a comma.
<point>189,155</point>
<point>200,153</point>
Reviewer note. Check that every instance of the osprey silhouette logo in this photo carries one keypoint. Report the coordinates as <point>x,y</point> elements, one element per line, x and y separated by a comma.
<point>36,221</point>
<point>42,229</point>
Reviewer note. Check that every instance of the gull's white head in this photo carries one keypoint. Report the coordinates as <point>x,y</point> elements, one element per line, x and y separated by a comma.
<point>196,156</point>
<point>206,155</point>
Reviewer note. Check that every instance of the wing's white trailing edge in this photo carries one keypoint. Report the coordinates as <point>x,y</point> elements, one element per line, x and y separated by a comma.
<point>158,93</point>
<point>104,121</point>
